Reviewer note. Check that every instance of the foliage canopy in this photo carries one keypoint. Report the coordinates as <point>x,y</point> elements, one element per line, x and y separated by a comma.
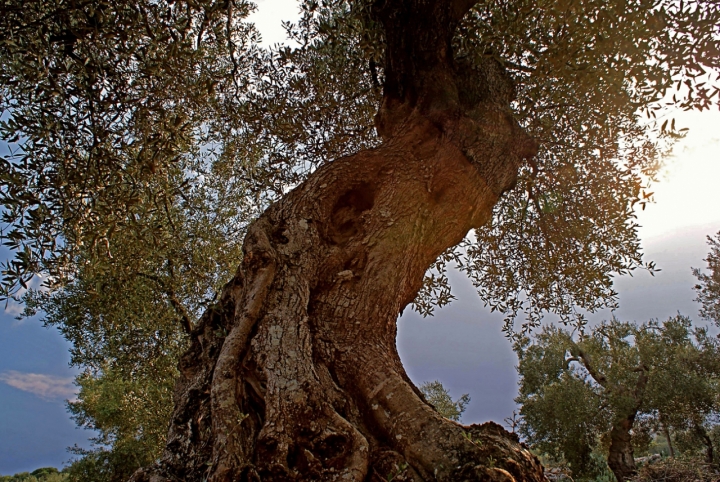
<point>110,125</point>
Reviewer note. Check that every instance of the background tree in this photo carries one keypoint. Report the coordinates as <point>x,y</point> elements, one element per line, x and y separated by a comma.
<point>690,408</point>
<point>129,438</point>
<point>436,395</point>
<point>708,289</point>
<point>44,474</point>
<point>602,391</point>
<point>563,414</point>
<point>110,118</point>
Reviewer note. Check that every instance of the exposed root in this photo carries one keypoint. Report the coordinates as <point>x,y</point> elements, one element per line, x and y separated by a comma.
<point>232,449</point>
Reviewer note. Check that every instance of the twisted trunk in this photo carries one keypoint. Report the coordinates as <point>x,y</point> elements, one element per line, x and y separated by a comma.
<point>621,459</point>
<point>294,374</point>
<point>707,442</point>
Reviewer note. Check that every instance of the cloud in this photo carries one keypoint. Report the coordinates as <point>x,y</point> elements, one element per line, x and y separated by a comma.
<point>13,308</point>
<point>47,387</point>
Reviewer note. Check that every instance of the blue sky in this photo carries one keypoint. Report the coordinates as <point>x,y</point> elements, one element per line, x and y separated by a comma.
<point>462,346</point>
<point>35,381</point>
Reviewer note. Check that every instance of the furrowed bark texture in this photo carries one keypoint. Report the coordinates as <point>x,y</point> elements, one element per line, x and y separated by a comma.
<point>621,459</point>
<point>294,375</point>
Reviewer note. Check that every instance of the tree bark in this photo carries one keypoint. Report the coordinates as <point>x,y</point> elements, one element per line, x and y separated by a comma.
<point>707,442</point>
<point>666,432</point>
<point>294,375</point>
<point>621,459</point>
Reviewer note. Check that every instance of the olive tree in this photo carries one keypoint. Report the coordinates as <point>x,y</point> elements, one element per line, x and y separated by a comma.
<point>708,288</point>
<point>355,163</point>
<point>602,390</point>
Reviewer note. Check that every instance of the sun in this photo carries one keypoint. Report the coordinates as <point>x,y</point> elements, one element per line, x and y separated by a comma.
<point>688,191</point>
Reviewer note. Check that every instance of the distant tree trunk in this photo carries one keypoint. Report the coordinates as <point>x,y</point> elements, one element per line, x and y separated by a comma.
<point>294,374</point>
<point>707,441</point>
<point>666,432</point>
<point>621,458</point>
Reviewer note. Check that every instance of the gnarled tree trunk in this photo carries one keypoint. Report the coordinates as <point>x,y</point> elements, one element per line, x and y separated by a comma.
<point>621,459</point>
<point>294,375</point>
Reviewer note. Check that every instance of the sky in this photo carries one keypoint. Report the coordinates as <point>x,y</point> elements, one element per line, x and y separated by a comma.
<point>462,345</point>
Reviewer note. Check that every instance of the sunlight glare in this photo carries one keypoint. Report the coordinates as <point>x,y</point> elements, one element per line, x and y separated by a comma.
<point>269,16</point>
<point>687,193</point>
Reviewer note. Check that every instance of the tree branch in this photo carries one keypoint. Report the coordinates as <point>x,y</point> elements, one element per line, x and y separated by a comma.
<point>640,386</point>
<point>570,360</point>
<point>185,317</point>
<point>576,351</point>
<point>418,37</point>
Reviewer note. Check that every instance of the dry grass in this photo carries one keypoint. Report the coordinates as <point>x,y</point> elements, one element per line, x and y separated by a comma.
<point>678,470</point>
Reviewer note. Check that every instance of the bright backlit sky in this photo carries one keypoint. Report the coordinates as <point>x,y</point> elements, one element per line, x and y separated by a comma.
<point>462,345</point>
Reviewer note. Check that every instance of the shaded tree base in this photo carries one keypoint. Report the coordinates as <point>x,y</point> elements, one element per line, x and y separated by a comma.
<point>505,460</point>
<point>484,452</point>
